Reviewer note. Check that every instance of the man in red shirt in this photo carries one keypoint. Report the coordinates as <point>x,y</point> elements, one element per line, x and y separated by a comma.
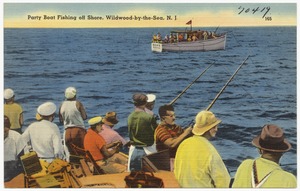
<point>107,156</point>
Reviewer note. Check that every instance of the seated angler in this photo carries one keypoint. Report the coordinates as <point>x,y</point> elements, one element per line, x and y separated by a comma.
<point>107,156</point>
<point>168,135</point>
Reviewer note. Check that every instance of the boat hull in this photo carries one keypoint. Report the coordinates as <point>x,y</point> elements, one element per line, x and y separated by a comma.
<point>200,45</point>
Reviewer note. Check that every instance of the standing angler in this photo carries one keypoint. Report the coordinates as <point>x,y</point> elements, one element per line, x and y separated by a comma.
<point>13,110</point>
<point>44,135</point>
<point>72,114</point>
<point>197,162</point>
<point>141,127</point>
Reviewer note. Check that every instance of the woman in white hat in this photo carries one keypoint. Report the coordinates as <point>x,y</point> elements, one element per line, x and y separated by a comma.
<point>13,110</point>
<point>197,162</point>
<point>44,135</point>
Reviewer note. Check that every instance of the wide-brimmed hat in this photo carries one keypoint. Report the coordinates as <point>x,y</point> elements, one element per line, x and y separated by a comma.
<point>110,118</point>
<point>151,98</point>
<point>46,109</point>
<point>8,93</point>
<point>204,121</point>
<point>139,99</point>
<point>272,139</point>
<point>95,120</point>
<point>70,92</point>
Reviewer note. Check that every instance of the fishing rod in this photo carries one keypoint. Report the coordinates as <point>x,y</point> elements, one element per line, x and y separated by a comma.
<point>216,29</point>
<point>218,95</point>
<point>183,91</point>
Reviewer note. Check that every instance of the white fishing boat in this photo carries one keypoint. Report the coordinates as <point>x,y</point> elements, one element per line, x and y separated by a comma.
<point>216,42</point>
<point>189,40</point>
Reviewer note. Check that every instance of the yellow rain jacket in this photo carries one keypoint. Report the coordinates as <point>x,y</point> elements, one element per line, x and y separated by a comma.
<point>199,165</point>
<point>278,178</point>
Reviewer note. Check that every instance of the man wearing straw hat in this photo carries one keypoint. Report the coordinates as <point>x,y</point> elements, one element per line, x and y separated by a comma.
<point>264,171</point>
<point>197,162</point>
<point>44,135</point>
<point>108,133</point>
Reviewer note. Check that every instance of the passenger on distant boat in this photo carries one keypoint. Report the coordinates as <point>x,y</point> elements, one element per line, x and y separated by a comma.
<point>205,35</point>
<point>194,37</point>
<point>166,39</point>
<point>44,136</point>
<point>107,156</point>
<point>168,135</point>
<point>197,162</point>
<point>265,172</point>
<point>180,37</point>
<point>13,110</point>
<point>108,133</point>
<point>141,127</point>
<point>72,114</point>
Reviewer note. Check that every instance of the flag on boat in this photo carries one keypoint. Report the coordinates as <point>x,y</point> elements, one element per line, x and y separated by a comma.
<point>188,23</point>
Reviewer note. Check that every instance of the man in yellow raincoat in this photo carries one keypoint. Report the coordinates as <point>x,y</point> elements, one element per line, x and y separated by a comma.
<point>197,162</point>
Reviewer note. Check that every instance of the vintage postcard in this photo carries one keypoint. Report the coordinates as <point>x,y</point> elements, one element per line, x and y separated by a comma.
<point>149,94</point>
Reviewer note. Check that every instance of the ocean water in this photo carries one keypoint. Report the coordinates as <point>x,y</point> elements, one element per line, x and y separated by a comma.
<point>107,66</point>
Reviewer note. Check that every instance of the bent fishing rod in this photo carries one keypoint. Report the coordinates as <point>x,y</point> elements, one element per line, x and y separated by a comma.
<point>183,91</point>
<point>224,87</point>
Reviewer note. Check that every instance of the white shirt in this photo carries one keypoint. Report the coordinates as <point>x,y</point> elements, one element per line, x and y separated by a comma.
<point>45,139</point>
<point>71,115</point>
<point>13,145</point>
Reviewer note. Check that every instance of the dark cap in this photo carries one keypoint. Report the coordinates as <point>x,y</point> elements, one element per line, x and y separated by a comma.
<point>139,99</point>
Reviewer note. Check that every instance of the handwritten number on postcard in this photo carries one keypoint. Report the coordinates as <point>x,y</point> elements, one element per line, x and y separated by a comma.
<point>256,10</point>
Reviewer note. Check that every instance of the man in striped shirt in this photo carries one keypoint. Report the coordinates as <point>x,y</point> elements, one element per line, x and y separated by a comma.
<point>168,135</point>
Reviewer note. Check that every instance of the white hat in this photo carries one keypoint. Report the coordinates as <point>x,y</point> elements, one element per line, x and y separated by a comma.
<point>46,109</point>
<point>8,93</point>
<point>151,97</point>
<point>95,120</point>
<point>70,92</point>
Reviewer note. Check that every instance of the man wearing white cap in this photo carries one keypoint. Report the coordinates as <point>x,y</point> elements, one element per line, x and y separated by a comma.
<point>72,114</point>
<point>197,162</point>
<point>13,110</point>
<point>107,156</point>
<point>150,103</point>
<point>44,135</point>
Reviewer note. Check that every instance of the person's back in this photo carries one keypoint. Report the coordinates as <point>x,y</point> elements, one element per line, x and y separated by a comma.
<point>277,179</point>
<point>44,135</point>
<point>265,171</point>
<point>71,115</point>
<point>108,133</point>
<point>197,162</point>
<point>193,166</point>
<point>13,110</point>
<point>141,127</point>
